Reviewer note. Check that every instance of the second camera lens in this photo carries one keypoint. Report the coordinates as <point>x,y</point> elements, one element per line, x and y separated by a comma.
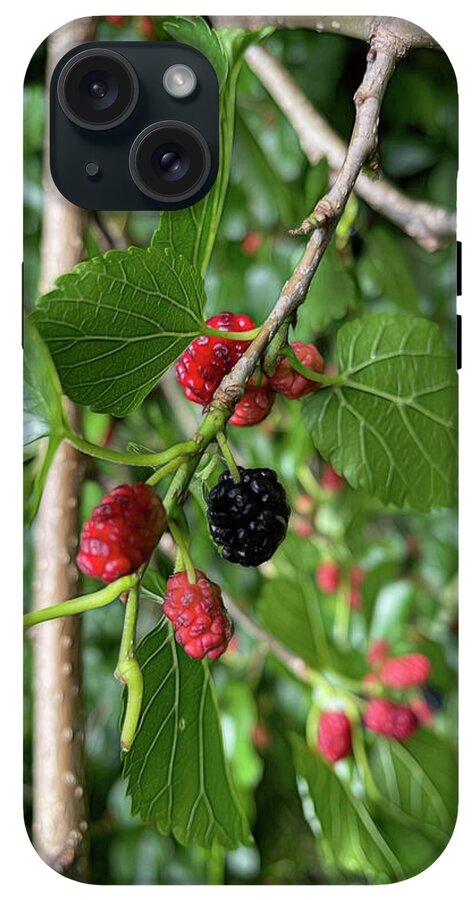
<point>170,161</point>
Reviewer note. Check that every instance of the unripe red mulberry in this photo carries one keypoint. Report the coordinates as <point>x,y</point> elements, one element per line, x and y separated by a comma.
<point>357,576</point>
<point>146,26</point>
<point>331,481</point>
<point>253,407</point>
<point>334,735</point>
<point>201,623</point>
<point>405,671</point>
<point>251,242</point>
<point>287,381</point>
<point>207,359</point>
<point>122,532</point>
<point>328,576</point>
<point>393,720</point>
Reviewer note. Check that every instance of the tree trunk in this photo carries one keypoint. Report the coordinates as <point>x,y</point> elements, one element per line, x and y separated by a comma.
<point>60,827</point>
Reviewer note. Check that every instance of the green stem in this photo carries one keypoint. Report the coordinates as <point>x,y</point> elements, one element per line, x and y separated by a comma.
<point>326,380</point>
<point>161,473</point>
<point>228,456</point>
<point>216,864</point>
<point>127,458</point>
<point>275,348</point>
<point>342,616</point>
<point>360,755</point>
<point>128,671</point>
<point>81,604</point>
<point>232,335</point>
<point>212,423</point>
<point>183,556</point>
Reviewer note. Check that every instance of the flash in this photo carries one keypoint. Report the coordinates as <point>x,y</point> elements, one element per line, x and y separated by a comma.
<point>180,81</point>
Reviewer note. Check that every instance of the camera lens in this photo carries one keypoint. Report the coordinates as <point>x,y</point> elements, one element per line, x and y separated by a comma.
<point>170,161</point>
<point>98,89</point>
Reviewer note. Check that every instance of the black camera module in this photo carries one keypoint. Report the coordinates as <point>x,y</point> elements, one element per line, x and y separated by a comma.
<point>98,89</point>
<point>134,125</point>
<point>170,161</point>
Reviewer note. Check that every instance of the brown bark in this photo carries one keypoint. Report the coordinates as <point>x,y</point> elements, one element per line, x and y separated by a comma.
<point>60,824</point>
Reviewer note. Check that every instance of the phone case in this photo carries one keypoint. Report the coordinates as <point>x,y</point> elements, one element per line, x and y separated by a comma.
<point>241,475</point>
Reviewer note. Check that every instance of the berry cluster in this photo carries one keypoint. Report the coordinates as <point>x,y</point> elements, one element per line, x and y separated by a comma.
<point>248,519</point>
<point>400,673</point>
<point>121,533</point>
<point>201,623</point>
<point>394,720</point>
<point>208,359</point>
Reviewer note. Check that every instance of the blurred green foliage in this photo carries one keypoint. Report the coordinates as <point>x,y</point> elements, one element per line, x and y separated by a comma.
<point>409,594</point>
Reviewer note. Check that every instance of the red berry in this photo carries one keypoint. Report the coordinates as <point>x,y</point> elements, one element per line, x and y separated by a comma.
<point>201,623</point>
<point>146,26</point>
<point>405,671</point>
<point>261,737</point>
<point>331,481</point>
<point>121,533</point>
<point>253,407</point>
<point>287,381</point>
<point>205,362</point>
<point>334,736</point>
<point>393,720</point>
<point>377,652</point>
<point>328,576</point>
<point>251,242</point>
<point>115,20</point>
<point>302,527</point>
<point>357,576</point>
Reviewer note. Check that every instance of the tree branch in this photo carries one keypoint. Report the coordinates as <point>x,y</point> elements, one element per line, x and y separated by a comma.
<point>430,225</point>
<point>60,827</point>
<point>360,27</point>
<point>384,51</point>
<point>294,663</point>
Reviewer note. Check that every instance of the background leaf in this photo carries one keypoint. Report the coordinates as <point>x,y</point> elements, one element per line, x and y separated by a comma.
<point>176,769</point>
<point>332,294</point>
<point>390,426</point>
<point>385,271</point>
<point>417,777</point>
<point>350,833</point>
<point>117,322</point>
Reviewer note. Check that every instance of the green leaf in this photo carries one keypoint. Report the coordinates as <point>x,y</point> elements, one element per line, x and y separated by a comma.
<point>332,294</point>
<point>385,271</point>
<point>176,769</point>
<point>418,778</point>
<point>344,821</point>
<point>116,323</point>
<point>390,424</point>
<point>289,609</point>
<point>42,403</point>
